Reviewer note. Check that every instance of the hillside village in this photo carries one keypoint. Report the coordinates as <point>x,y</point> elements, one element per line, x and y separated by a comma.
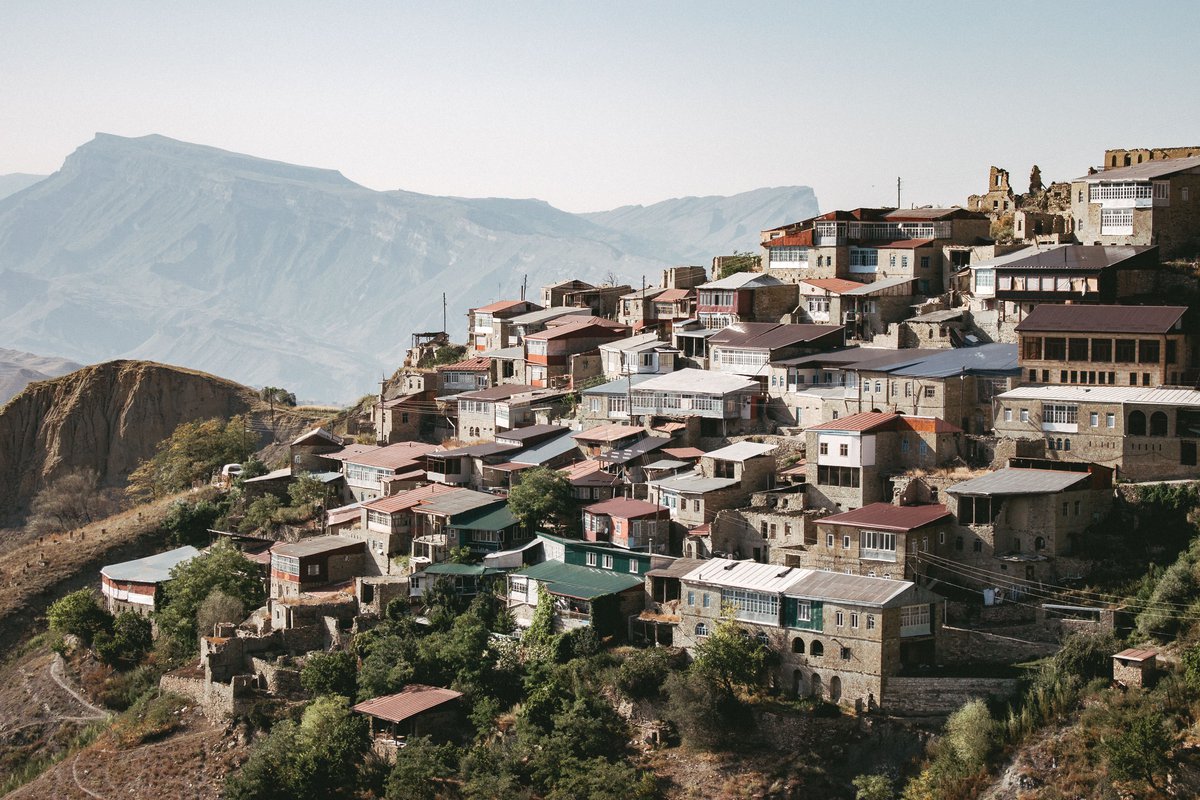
<point>886,447</point>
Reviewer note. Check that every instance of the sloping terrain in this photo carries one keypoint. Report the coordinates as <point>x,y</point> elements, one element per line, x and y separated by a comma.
<point>17,181</point>
<point>275,274</point>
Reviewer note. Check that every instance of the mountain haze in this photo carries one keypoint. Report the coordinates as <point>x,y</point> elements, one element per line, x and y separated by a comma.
<point>19,369</point>
<point>16,181</point>
<point>271,273</point>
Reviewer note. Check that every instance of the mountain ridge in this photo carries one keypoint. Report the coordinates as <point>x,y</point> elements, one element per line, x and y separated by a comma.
<point>277,274</point>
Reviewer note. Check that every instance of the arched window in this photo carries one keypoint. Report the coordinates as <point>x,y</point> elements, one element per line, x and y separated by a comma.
<point>835,689</point>
<point>1050,444</point>
<point>816,685</point>
<point>816,648</point>
<point>1039,543</point>
<point>798,645</point>
<point>1137,424</point>
<point>1158,424</point>
<point>1066,444</point>
<point>701,629</point>
<point>1058,444</point>
<point>762,639</point>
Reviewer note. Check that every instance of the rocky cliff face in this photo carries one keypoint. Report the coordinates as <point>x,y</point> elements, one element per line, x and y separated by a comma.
<point>108,417</point>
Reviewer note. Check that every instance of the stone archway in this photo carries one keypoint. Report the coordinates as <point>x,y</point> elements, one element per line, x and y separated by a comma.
<point>798,683</point>
<point>835,689</point>
<point>815,684</point>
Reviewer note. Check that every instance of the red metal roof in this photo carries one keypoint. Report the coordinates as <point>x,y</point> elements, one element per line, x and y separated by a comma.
<point>866,421</point>
<point>683,452</point>
<point>406,500</point>
<point>500,305</point>
<point>591,326</point>
<point>802,239</point>
<point>611,432</point>
<point>394,456</point>
<point>469,365</point>
<point>886,516</point>
<point>408,702</point>
<point>589,473</point>
<point>834,285</point>
<point>926,425</point>
<point>625,508</point>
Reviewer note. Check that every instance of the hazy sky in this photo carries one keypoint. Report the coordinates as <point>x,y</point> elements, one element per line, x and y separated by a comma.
<point>598,104</point>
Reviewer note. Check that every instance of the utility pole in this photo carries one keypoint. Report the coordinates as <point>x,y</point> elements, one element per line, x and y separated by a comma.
<point>524,285</point>
<point>897,192</point>
<point>444,312</point>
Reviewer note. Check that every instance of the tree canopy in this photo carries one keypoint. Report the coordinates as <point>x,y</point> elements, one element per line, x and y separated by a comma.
<point>542,498</point>
<point>222,567</point>
<point>192,453</point>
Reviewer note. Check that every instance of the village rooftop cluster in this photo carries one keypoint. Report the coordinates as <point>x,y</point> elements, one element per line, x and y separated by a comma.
<point>883,411</point>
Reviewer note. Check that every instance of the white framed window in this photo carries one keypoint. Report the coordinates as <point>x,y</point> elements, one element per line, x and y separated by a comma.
<point>705,600</point>
<point>846,541</point>
<point>1008,415</point>
<point>870,622</point>
<point>691,598</point>
<point>591,559</point>
<point>633,566</point>
<point>853,619</point>
<point>1094,419</point>
<point>1110,420</point>
<point>607,562</point>
<point>829,540</point>
<point>1116,221</point>
<point>840,618</point>
<point>1024,415</point>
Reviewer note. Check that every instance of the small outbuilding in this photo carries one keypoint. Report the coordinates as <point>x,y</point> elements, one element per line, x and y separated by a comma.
<point>416,710</point>
<point>1135,667</point>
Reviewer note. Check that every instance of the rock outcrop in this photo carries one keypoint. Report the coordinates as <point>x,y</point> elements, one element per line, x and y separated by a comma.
<point>110,416</point>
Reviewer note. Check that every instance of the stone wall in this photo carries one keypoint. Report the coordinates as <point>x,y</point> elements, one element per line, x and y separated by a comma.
<point>937,696</point>
<point>217,701</point>
<point>966,646</point>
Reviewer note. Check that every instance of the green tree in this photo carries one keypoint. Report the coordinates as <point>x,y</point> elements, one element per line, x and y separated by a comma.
<point>193,452</point>
<point>129,642</point>
<point>421,770</point>
<point>277,396</point>
<point>308,490</point>
<point>542,498</point>
<point>731,658</point>
<point>188,522</point>
<point>330,673</point>
<point>260,513</point>
<point>873,787</point>
<point>218,607</point>
<point>539,638</point>
<point>79,614</point>
<point>1087,655</point>
<point>222,567</point>
<point>1140,752</point>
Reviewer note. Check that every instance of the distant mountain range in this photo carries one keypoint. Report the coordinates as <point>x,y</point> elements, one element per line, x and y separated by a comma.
<point>16,181</point>
<point>270,273</point>
<point>19,369</point>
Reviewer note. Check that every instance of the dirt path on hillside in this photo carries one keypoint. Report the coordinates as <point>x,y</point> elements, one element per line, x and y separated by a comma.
<point>56,675</point>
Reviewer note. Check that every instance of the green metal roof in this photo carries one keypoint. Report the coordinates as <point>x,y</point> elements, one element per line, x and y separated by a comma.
<point>582,583</point>
<point>489,518</point>
<point>451,568</point>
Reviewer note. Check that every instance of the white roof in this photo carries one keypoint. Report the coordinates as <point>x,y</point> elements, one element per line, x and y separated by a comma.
<point>700,381</point>
<point>741,451</point>
<point>642,342</point>
<point>1106,394</point>
<point>745,575</point>
<point>739,280</point>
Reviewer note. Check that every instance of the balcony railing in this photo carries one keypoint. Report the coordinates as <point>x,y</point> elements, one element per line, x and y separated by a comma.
<point>871,554</point>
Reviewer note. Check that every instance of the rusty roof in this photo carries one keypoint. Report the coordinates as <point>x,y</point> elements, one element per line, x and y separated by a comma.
<point>478,364</point>
<point>904,244</point>
<point>1134,654</point>
<point>626,508</point>
<point>503,305</point>
<point>1053,317</point>
<point>410,701</point>
<point>866,421</point>
<point>406,500</point>
<point>672,295</point>
<point>1077,258</point>
<point>592,326</point>
<point>770,335</point>
<point>502,392</point>
<point>394,456</point>
<point>802,239</point>
<point>888,517</point>
<point>834,285</point>
<point>612,432</point>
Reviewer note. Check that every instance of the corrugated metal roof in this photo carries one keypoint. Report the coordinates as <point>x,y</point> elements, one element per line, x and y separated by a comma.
<point>405,500</point>
<point>459,501</point>
<point>667,463</point>
<point>393,456</point>
<point>743,280</point>
<point>151,569</point>
<point>634,343</point>
<point>501,392</point>
<point>1053,317</point>
<point>862,422</point>
<point>547,314</point>
<point>770,335</point>
<point>693,483</point>
<point>1077,258</point>
<point>612,432</point>
<point>626,507</point>
<point>698,381</point>
<point>1147,170</point>
<point>1011,481</point>
<point>742,451</point>
<point>591,327</point>
<point>888,517</point>
<point>744,575</point>
<point>532,432</point>
<point>878,286</point>
<point>318,433</point>
<point>677,568</point>
<point>986,359</point>
<point>273,475</point>
<point>623,455</point>
<point>316,545</point>
<point>500,305</point>
<point>855,589</point>
<point>617,387</point>
<point>938,316</point>
<point>1136,654</point>
<point>476,364</point>
<point>485,519</point>
<point>1105,394</point>
<point>478,450</point>
<point>408,702</point>
<point>581,583</point>
<point>545,451</point>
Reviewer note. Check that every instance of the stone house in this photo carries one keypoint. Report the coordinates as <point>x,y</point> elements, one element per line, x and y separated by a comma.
<point>521,326</point>
<point>1016,523</point>
<point>1107,345</point>
<point>999,198</point>
<point>388,526</point>
<point>469,375</point>
<point>724,478</point>
<point>1070,273</point>
<point>628,523</point>
<point>135,585</point>
<point>609,401</point>
<point>600,301</point>
<point>548,353</point>
<point>302,566</point>
<point>839,637</point>
<point>821,300</point>
<point>403,418</point>
<point>589,481</point>
<point>744,297</point>
<point>773,529</point>
<point>851,460</point>
<point>1144,433</point>
<point>306,451</point>
<point>1155,202</point>
<point>483,414</point>
<point>879,540</point>
<point>854,244</point>
<point>638,355</point>
<point>382,471</point>
<point>747,348</point>
<point>723,403</point>
<point>488,326</point>
<point>465,466</point>
<point>942,329</point>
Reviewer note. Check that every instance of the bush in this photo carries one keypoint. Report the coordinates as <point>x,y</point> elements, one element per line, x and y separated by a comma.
<point>643,673</point>
<point>706,717</point>
<point>873,787</point>
<point>218,607</point>
<point>222,567</point>
<point>1087,655</point>
<point>129,642</point>
<point>260,513</point>
<point>1140,752</point>
<point>329,673</point>
<point>193,452</point>
<point>79,614</point>
<point>188,523</point>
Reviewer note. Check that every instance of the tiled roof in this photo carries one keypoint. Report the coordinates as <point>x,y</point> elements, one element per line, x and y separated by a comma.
<point>408,702</point>
<point>1053,317</point>
<point>888,517</point>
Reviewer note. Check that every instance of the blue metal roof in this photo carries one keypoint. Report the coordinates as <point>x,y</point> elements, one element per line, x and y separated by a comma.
<point>151,569</point>
<point>987,359</point>
<point>547,451</point>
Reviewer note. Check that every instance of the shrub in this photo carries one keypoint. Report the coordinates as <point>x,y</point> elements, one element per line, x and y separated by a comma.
<point>218,607</point>
<point>79,614</point>
<point>260,513</point>
<point>873,787</point>
<point>643,673</point>
<point>329,673</point>
<point>129,642</point>
<point>1087,655</point>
